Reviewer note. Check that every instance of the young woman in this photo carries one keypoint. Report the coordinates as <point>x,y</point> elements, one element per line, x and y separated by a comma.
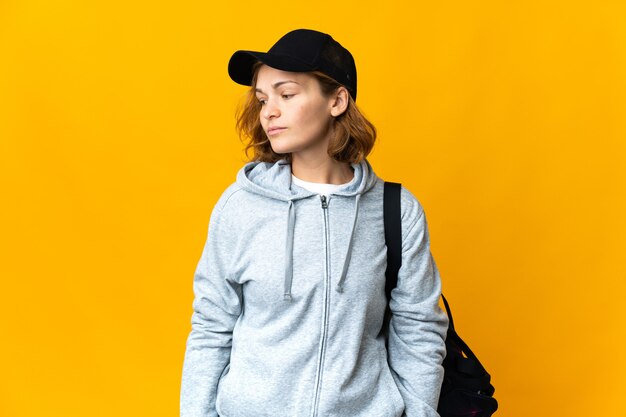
<point>290,288</point>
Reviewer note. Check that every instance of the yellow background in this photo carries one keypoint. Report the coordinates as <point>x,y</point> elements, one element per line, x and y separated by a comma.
<point>506,119</point>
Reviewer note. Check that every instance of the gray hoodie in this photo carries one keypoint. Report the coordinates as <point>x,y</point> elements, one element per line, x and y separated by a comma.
<point>290,300</point>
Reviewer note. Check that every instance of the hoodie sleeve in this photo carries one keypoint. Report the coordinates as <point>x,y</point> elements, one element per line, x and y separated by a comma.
<point>216,306</point>
<point>418,326</point>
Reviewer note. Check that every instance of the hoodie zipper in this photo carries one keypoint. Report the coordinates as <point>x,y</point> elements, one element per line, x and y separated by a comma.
<point>320,363</point>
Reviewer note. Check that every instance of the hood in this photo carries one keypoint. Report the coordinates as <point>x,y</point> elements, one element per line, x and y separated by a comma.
<point>273,180</point>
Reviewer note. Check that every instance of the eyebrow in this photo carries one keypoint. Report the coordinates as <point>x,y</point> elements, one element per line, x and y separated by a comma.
<point>275,85</point>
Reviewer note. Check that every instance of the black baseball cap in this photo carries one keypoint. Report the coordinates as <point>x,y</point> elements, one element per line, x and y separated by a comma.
<point>300,50</point>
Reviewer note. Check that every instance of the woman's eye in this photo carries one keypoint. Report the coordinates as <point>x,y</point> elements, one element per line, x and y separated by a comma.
<point>285,96</point>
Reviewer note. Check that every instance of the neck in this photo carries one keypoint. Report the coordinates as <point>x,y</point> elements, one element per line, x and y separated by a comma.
<point>322,170</point>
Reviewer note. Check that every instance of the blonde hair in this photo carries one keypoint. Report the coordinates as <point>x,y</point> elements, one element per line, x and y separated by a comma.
<point>354,135</point>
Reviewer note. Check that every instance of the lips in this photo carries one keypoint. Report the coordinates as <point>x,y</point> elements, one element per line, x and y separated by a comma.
<point>275,129</point>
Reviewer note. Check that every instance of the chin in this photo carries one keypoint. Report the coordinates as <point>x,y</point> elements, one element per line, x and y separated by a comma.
<point>282,151</point>
<point>282,148</point>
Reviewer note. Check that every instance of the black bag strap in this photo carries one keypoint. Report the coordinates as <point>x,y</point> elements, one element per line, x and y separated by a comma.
<point>393,234</point>
<point>393,240</point>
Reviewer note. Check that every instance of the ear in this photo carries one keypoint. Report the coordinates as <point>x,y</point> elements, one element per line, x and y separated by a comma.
<point>339,103</point>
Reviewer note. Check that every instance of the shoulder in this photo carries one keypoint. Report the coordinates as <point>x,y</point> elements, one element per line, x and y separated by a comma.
<point>228,197</point>
<point>413,216</point>
<point>223,208</point>
<point>411,208</point>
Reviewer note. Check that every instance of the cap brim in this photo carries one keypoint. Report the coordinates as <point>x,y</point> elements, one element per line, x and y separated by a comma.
<point>241,62</point>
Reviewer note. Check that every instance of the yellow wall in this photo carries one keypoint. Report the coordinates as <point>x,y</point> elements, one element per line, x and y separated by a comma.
<point>506,119</point>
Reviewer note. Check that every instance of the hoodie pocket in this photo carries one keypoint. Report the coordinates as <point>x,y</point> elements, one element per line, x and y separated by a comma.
<point>220,383</point>
<point>223,375</point>
<point>392,388</point>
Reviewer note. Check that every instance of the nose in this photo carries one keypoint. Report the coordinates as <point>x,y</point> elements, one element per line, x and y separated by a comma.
<point>270,110</point>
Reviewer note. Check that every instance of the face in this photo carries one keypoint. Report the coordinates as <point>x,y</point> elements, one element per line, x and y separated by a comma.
<point>294,114</point>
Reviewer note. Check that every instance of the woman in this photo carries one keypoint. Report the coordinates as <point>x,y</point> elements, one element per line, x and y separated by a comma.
<point>290,288</point>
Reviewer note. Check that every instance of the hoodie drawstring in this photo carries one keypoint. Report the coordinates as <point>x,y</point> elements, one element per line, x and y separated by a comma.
<point>346,261</point>
<point>289,249</point>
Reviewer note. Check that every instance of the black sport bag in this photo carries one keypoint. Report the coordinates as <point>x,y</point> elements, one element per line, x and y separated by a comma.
<point>466,390</point>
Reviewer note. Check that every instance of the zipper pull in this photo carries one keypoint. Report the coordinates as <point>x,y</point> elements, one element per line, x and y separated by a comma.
<point>324,203</point>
